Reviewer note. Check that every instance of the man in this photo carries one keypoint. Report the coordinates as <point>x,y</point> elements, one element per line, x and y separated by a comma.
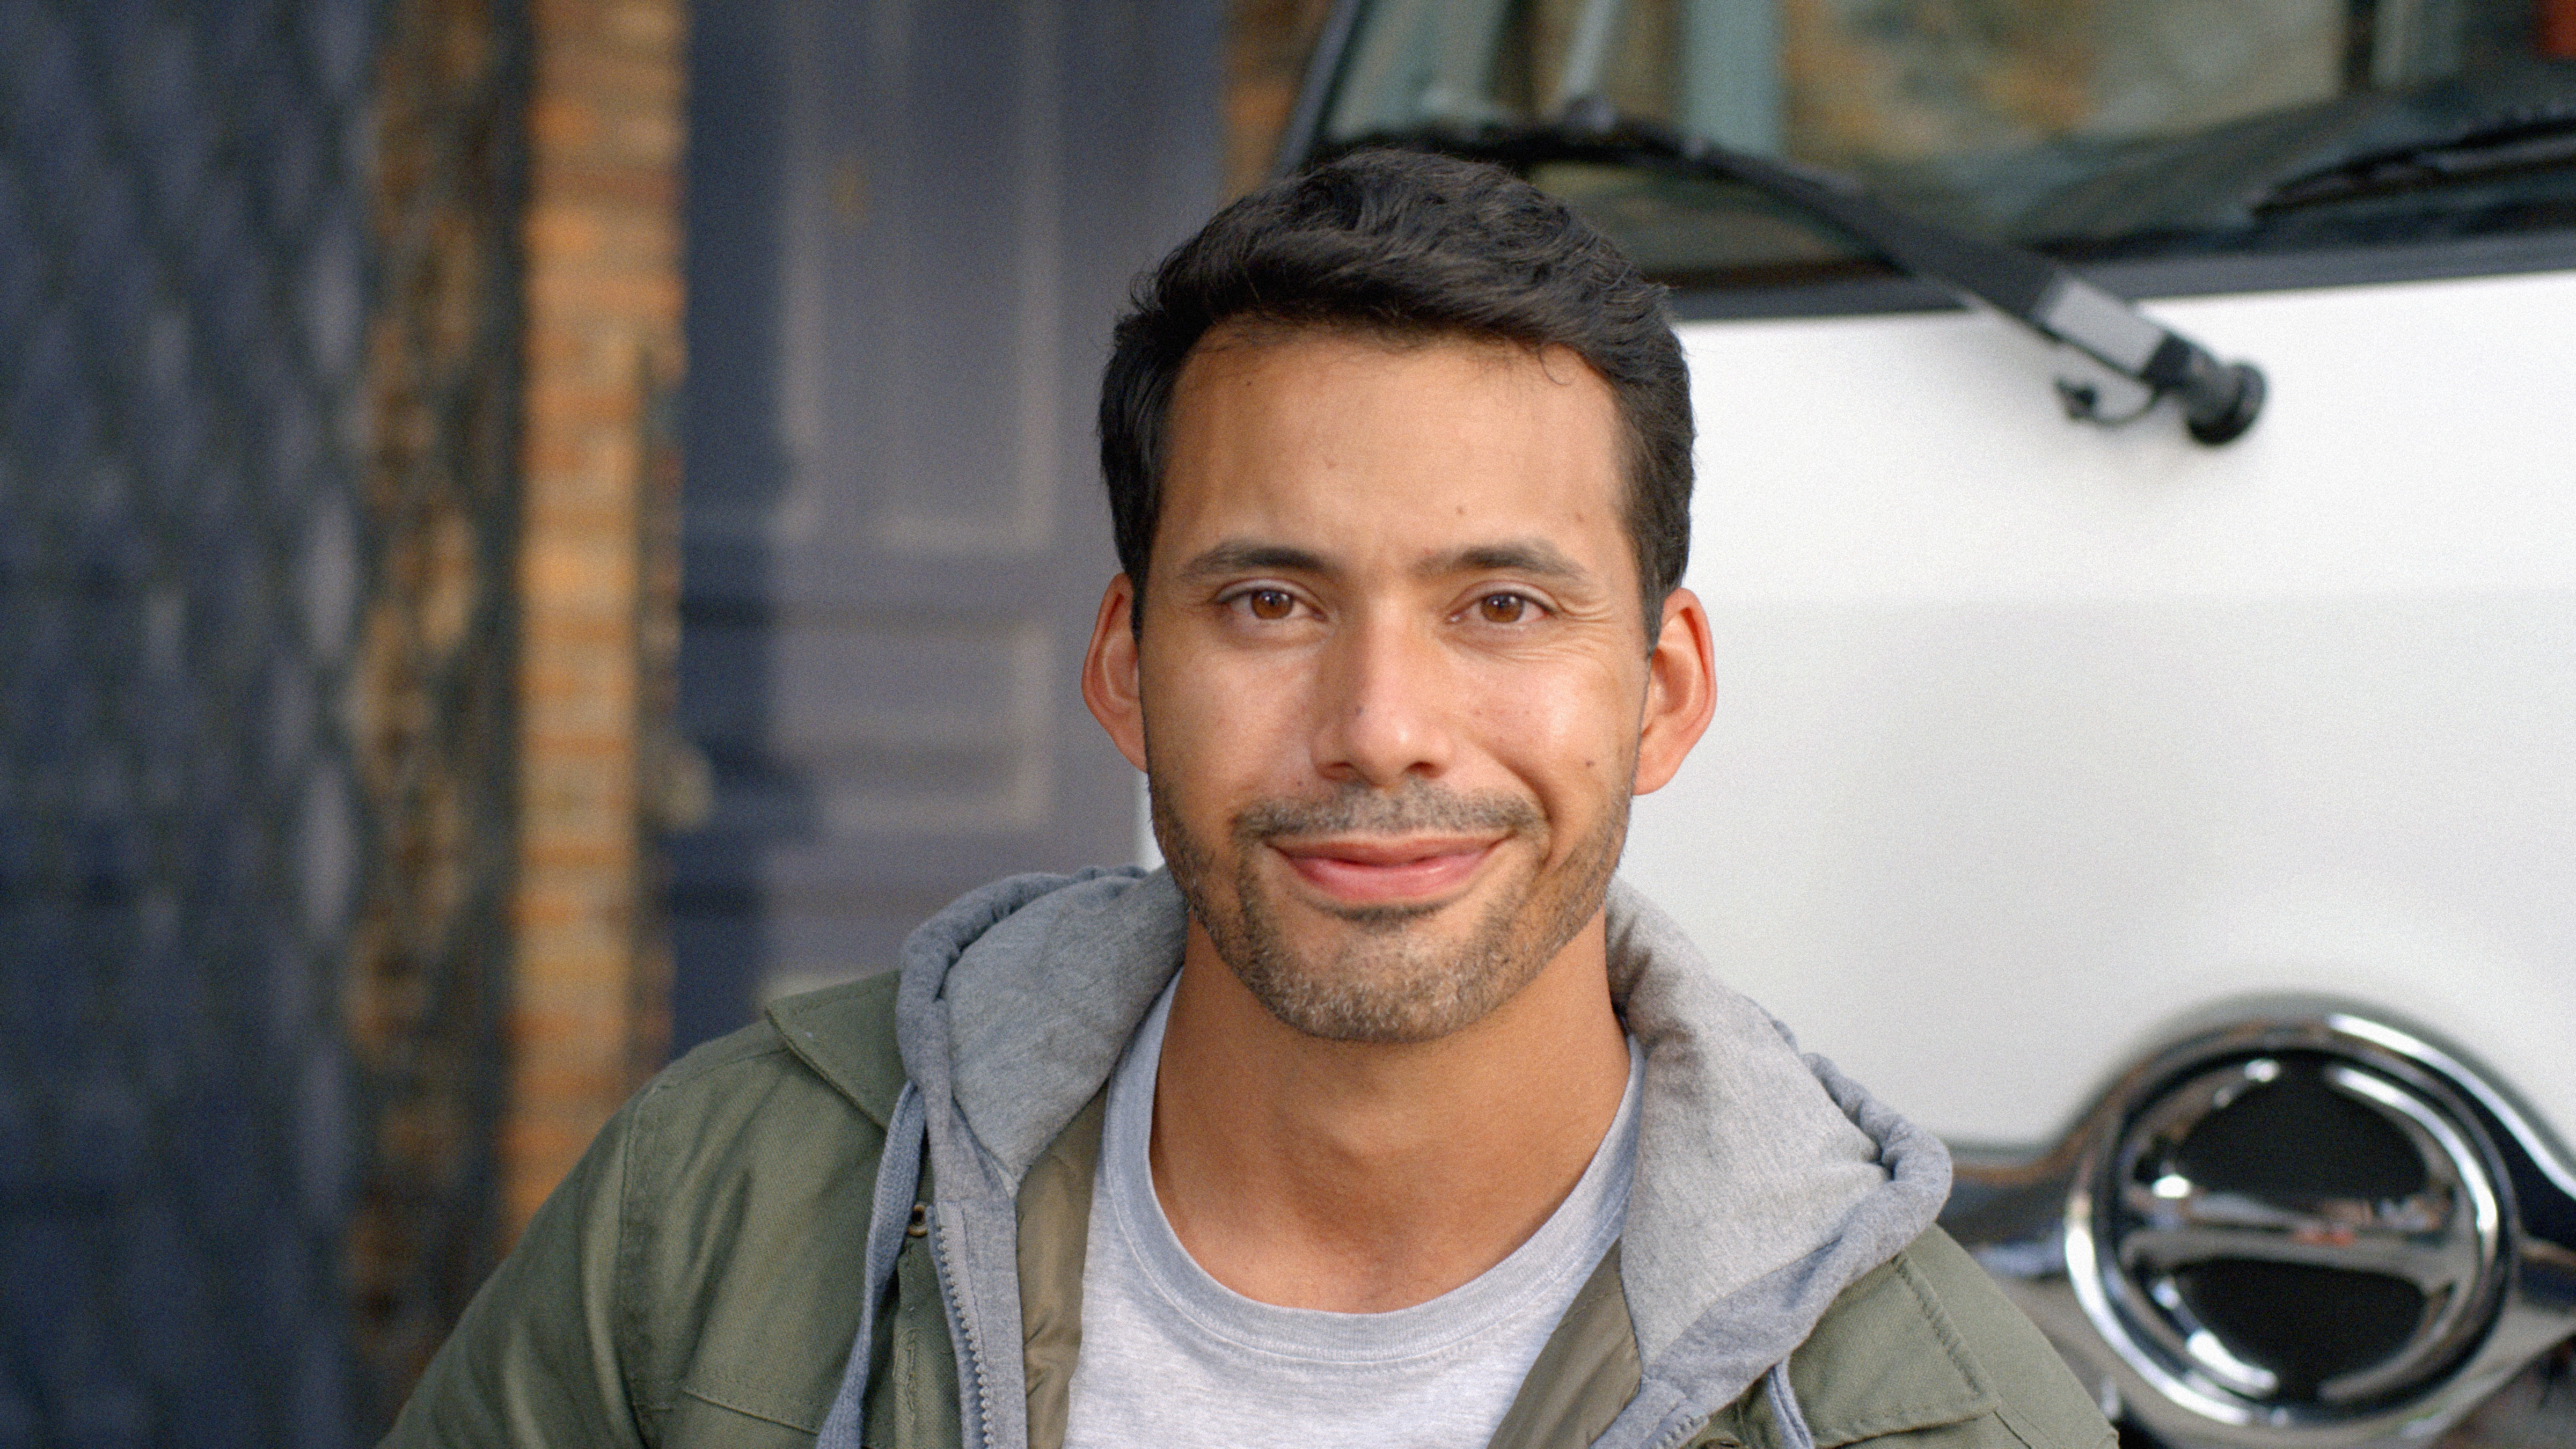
<point>1385,1116</point>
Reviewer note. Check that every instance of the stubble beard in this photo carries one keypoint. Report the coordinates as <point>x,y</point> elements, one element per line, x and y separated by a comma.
<point>1392,979</point>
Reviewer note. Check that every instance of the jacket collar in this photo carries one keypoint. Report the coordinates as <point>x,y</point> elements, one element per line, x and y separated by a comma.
<point>1766,1183</point>
<point>844,1033</point>
<point>1884,1359</point>
<point>1891,1320</point>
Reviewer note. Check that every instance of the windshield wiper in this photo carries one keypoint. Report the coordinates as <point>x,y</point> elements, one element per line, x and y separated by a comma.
<point>2492,148</point>
<point>2219,400</point>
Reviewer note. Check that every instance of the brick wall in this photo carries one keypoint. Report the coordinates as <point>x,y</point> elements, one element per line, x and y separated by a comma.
<point>596,584</point>
<point>2554,29</point>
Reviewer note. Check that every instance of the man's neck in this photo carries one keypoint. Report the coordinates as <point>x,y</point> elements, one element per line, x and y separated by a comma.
<point>1364,1177</point>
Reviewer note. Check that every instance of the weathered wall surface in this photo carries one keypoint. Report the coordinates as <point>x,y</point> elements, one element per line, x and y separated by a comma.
<point>595,576</point>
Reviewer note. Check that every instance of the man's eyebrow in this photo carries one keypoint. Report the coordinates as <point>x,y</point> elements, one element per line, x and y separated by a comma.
<point>1243,556</point>
<point>1535,557</point>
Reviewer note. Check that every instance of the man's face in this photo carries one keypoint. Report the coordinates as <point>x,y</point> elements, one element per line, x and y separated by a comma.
<point>1392,688</point>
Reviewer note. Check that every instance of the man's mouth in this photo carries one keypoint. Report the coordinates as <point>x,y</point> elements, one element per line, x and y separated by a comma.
<point>1380,871</point>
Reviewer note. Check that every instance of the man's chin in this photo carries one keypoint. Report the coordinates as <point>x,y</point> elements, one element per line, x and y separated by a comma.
<point>1385,920</point>
<point>1368,941</point>
<point>1378,973</point>
<point>1372,1001</point>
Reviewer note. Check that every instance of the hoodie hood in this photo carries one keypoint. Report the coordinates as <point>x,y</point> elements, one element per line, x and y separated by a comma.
<point>1766,1182</point>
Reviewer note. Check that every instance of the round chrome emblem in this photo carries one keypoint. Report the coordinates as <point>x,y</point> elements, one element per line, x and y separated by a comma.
<point>2290,1239</point>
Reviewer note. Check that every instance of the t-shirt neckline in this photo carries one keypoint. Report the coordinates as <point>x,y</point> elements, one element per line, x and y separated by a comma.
<point>1569,1244</point>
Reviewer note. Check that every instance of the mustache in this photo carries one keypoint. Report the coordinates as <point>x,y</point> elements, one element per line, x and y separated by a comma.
<point>1419,808</point>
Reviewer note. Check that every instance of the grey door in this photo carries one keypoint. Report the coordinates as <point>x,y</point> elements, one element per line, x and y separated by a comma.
<point>911,225</point>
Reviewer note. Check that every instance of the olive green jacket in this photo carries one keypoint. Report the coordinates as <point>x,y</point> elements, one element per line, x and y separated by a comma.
<point>696,1282</point>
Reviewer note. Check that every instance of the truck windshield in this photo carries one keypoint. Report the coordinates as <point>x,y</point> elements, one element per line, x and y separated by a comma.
<point>2094,130</point>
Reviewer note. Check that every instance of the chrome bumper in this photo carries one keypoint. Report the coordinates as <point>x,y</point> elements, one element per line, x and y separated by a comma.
<point>2302,1229</point>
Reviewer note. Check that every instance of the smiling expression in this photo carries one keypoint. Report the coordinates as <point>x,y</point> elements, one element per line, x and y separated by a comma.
<point>1391,691</point>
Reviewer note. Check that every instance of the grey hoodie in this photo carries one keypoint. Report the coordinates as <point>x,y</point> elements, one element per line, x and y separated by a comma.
<point>1766,1183</point>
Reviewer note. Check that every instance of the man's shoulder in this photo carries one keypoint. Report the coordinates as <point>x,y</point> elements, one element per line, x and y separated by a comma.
<point>697,1267</point>
<point>843,1035</point>
<point>815,1068</point>
<point>1927,1346</point>
<point>749,1168</point>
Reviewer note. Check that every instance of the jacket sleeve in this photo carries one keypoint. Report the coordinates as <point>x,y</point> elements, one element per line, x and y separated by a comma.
<point>536,1360</point>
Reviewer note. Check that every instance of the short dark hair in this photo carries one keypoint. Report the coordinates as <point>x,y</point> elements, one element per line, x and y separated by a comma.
<point>1408,244</point>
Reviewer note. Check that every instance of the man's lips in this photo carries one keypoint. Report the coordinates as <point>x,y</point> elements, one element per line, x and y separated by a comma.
<point>1380,871</point>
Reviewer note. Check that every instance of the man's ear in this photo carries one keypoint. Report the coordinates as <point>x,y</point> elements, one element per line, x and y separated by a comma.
<point>1681,691</point>
<point>1110,679</point>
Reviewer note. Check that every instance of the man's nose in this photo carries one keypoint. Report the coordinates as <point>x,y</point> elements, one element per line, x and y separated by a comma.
<point>1383,711</point>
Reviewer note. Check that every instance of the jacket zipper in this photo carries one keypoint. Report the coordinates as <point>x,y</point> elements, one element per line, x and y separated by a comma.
<point>966,1335</point>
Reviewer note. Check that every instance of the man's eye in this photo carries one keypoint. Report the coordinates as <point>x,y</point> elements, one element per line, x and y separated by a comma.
<point>1270,605</point>
<point>1502,608</point>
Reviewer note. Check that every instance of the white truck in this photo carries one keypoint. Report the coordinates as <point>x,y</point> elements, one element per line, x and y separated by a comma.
<point>2155,774</point>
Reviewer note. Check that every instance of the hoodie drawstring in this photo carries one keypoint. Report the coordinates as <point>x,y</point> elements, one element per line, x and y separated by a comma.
<point>898,1183</point>
<point>1794,1433</point>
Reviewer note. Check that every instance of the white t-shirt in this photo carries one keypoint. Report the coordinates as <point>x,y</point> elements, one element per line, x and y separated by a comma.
<point>1172,1357</point>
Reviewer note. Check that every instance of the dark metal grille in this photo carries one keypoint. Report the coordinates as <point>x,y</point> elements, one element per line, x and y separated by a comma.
<point>436,737</point>
<point>256,374</point>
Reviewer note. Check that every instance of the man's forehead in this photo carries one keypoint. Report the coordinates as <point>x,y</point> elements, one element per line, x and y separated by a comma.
<point>1431,455</point>
<point>1317,401</point>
